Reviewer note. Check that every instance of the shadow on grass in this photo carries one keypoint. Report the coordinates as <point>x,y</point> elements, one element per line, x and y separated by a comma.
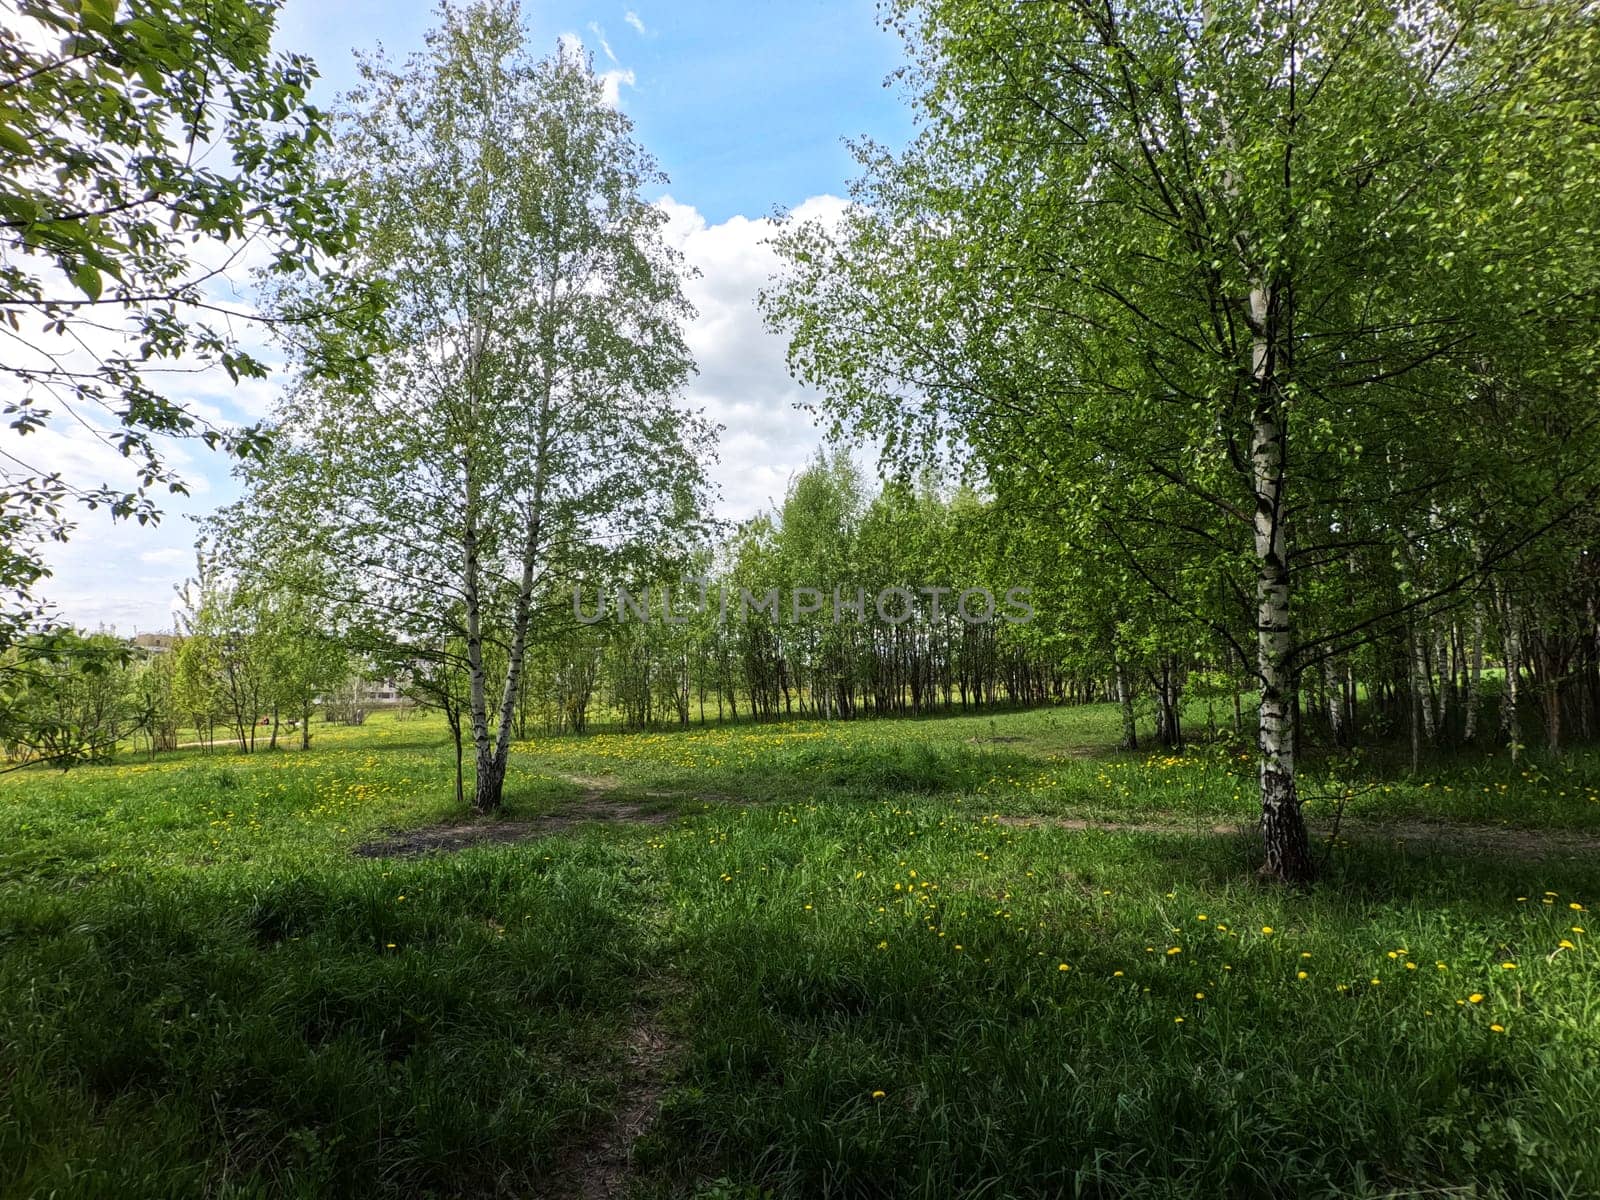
<point>399,1029</point>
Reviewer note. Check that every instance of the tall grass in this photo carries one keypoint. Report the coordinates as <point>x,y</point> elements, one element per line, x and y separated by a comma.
<point>873,986</point>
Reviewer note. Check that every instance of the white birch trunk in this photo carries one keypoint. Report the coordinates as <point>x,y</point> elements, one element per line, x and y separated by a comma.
<point>1283,830</point>
<point>1333,698</point>
<point>1510,719</point>
<point>1475,674</point>
<point>1422,684</point>
<point>1130,728</point>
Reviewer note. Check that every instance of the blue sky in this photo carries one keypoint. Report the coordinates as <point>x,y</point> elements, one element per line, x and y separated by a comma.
<point>745,104</point>
<point>746,107</point>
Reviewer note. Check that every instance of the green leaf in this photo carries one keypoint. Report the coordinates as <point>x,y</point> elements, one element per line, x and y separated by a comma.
<point>88,280</point>
<point>14,143</point>
<point>100,12</point>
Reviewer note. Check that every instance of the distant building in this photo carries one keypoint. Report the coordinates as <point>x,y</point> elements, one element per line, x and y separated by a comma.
<point>155,643</point>
<point>384,691</point>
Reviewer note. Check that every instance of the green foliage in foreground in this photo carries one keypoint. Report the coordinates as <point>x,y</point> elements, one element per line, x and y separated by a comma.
<point>203,991</point>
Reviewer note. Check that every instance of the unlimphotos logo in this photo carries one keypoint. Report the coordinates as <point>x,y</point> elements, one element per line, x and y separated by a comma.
<point>660,604</point>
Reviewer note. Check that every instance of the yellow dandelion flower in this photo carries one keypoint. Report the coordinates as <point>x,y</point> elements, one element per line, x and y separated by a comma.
<point>1266,929</point>
<point>1476,998</point>
<point>1302,975</point>
<point>1498,1028</point>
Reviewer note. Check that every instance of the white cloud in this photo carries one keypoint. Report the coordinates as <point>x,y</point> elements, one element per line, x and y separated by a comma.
<point>167,556</point>
<point>82,455</point>
<point>123,575</point>
<point>611,85</point>
<point>109,572</point>
<point>632,18</point>
<point>600,36</point>
<point>610,81</point>
<point>743,382</point>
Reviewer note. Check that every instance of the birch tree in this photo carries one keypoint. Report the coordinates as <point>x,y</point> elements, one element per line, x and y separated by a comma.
<point>1217,279</point>
<point>517,417</point>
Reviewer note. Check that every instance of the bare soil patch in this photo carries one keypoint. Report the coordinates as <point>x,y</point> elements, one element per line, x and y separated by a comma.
<point>599,1168</point>
<point>595,783</point>
<point>1524,843</point>
<point>595,806</point>
<point>459,835</point>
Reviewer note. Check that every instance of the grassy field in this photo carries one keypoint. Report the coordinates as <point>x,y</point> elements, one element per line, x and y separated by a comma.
<point>974,957</point>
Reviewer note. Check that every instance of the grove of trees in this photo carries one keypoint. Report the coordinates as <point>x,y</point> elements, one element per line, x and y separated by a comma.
<point>515,417</point>
<point>1249,346</point>
<point>1278,316</point>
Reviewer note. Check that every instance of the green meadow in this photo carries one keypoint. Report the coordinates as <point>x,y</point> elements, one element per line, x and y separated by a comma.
<point>954,957</point>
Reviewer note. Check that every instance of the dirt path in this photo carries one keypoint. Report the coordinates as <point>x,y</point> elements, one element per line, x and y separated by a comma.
<point>599,1168</point>
<point>601,1165</point>
<point>1524,843</point>
<point>594,805</point>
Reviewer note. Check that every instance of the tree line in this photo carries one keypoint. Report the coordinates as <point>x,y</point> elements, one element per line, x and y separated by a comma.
<point>250,667</point>
<point>836,605</point>
<point>1277,317</point>
<point>1256,339</point>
